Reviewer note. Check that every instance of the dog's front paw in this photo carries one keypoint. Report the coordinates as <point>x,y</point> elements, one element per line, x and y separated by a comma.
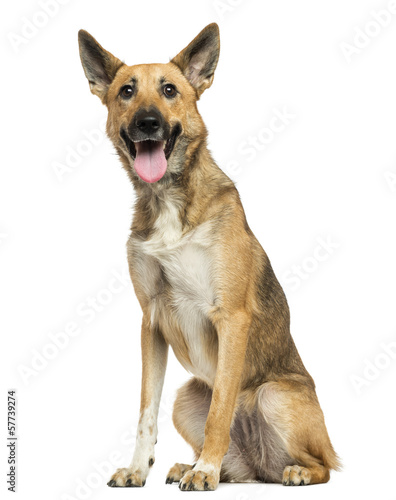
<point>128,478</point>
<point>296,476</point>
<point>197,480</point>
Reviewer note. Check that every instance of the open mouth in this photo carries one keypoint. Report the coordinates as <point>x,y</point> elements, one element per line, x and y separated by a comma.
<point>151,157</point>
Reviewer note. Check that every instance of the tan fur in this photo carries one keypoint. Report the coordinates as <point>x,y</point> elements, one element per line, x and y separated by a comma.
<point>206,287</point>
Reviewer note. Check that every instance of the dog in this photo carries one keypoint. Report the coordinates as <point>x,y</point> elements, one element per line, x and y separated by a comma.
<point>206,288</point>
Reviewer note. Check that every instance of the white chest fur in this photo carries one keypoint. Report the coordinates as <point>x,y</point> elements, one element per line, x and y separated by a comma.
<point>187,263</point>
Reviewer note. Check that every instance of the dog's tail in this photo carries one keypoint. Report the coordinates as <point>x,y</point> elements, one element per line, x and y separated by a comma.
<point>330,458</point>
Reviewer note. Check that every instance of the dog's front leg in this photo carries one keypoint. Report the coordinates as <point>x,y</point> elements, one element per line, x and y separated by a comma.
<point>232,335</point>
<point>154,359</point>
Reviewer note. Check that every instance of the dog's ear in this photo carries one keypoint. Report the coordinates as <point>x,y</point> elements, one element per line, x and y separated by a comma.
<point>198,60</point>
<point>99,65</point>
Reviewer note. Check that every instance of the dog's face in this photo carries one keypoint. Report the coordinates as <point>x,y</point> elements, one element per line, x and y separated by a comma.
<point>153,118</point>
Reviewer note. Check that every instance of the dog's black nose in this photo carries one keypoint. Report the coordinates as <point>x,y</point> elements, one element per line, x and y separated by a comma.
<point>148,122</point>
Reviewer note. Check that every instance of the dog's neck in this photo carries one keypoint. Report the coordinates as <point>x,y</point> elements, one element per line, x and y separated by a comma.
<point>190,192</point>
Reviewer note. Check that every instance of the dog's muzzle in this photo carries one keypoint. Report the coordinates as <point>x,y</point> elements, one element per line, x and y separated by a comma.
<point>150,142</point>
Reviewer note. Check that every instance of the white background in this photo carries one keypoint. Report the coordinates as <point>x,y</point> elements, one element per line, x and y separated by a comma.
<point>326,176</point>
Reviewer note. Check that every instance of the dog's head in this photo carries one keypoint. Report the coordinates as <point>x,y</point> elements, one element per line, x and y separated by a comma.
<point>153,117</point>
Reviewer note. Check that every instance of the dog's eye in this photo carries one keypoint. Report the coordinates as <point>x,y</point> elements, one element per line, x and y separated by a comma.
<point>169,90</point>
<point>126,91</point>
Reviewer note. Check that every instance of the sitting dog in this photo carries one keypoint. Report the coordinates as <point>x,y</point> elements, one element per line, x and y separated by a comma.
<point>206,287</point>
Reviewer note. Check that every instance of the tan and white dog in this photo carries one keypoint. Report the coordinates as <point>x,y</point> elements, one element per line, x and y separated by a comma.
<point>206,288</point>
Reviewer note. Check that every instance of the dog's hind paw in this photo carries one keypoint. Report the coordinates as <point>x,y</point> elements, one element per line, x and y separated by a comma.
<point>296,476</point>
<point>177,472</point>
<point>127,478</point>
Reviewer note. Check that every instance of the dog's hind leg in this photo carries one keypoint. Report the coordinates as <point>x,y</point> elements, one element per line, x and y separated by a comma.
<point>292,410</point>
<point>189,417</point>
<point>190,411</point>
<point>282,438</point>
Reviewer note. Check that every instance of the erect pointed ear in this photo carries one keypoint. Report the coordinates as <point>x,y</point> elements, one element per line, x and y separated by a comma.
<point>99,65</point>
<point>198,60</point>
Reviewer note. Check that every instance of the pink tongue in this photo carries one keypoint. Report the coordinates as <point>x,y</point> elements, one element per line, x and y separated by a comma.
<point>150,162</point>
